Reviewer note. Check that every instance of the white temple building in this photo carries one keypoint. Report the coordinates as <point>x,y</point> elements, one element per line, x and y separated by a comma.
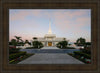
<point>49,39</point>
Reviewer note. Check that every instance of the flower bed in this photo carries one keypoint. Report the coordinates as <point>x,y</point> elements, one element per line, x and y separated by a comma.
<point>14,50</point>
<point>86,58</point>
<point>17,57</point>
<point>77,53</point>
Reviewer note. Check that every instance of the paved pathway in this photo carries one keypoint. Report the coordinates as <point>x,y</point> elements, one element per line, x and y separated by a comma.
<point>50,48</point>
<point>51,58</point>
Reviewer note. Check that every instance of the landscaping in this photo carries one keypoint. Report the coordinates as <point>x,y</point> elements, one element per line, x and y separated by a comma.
<point>16,56</point>
<point>83,55</point>
<point>62,44</point>
<point>69,48</point>
<point>37,44</point>
<point>31,48</point>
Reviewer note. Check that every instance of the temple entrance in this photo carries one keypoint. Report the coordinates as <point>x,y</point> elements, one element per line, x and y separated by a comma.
<point>49,43</point>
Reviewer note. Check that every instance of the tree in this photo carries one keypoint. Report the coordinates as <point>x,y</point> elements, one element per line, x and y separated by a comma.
<point>62,44</point>
<point>13,42</point>
<point>87,45</point>
<point>34,38</point>
<point>37,44</point>
<point>21,40</point>
<point>18,38</point>
<point>64,39</point>
<point>81,41</point>
<point>21,43</point>
<point>26,41</point>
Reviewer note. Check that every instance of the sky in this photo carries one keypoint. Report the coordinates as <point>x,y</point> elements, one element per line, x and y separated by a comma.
<point>69,23</point>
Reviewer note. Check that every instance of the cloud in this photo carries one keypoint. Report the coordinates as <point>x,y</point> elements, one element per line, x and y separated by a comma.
<point>22,14</point>
<point>74,24</point>
<point>70,21</point>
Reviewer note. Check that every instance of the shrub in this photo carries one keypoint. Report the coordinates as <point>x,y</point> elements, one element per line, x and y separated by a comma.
<point>14,50</point>
<point>29,47</point>
<point>86,51</point>
<point>70,48</point>
<point>37,44</point>
<point>77,53</point>
<point>87,56</point>
<point>62,44</point>
<point>16,55</point>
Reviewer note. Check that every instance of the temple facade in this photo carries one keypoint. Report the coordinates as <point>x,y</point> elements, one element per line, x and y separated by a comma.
<point>49,39</point>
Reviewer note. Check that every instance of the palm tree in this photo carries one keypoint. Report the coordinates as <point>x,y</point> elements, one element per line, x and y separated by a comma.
<point>21,40</point>
<point>14,42</point>
<point>18,38</point>
<point>81,41</point>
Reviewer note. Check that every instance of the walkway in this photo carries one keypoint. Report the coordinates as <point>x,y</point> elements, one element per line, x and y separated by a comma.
<point>51,58</point>
<point>50,48</point>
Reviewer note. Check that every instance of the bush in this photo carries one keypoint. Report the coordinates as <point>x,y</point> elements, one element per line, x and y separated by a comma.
<point>77,53</point>
<point>16,60</point>
<point>62,44</point>
<point>14,50</point>
<point>16,55</point>
<point>87,56</point>
<point>86,51</point>
<point>37,44</point>
<point>70,48</point>
<point>29,47</point>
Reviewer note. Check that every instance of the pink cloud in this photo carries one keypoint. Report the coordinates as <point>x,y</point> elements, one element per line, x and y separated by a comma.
<point>76,26</point>
<point>79,13</point>
<point>63,21</point>
<point>23,13</point>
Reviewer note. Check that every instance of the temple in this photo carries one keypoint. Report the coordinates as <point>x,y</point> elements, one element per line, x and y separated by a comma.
<point>49,39</point>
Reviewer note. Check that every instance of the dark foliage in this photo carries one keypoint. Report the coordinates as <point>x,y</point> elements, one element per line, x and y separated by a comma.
<point>80,41</point>
<point>16,55</point>
<point>37,44</point>
<point>86,51</point>
<point>62,44</point>
<point>80,54</point>
<point>14,50</point>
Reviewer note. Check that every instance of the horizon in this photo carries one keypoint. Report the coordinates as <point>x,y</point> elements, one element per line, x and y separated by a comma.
<point>69,23</point>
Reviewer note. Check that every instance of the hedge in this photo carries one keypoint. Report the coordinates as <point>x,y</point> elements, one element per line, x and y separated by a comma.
<point>77,53</point>
<point>14,50</point>
<point>86,51</point>
<point>16,55</point>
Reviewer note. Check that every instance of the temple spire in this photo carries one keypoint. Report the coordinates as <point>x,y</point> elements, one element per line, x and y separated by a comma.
<point>49,31</point>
